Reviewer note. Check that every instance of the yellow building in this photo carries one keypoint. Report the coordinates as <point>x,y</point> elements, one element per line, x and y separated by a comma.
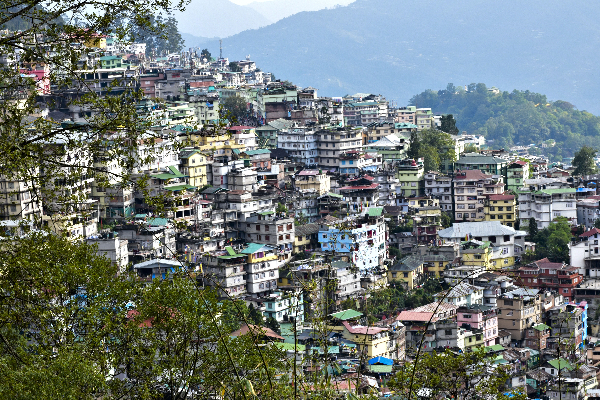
<point>435,264</point>
<point>409,271</point>
<point>501,207</point>
<point>221,145</point>
<point>473,340</point>
<point>477,253</point>
<point>194,164</point>
<point>370,341</point>
<point>313,181</point>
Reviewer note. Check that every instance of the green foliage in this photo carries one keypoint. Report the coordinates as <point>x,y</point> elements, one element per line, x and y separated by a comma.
<point>281,209</point>
<point>553,241</point>
<point>519,117</point>
<point>234,67</point>
<point>255,316</point>
<point>597,223</point>
<point>395,252</point>
<point>453,375</point>
<point>414,148</point>
<point>159,43</point>
<point>272,323</point>
<point>584,162</point>
<point>434,147</point>
<point>236,106</point>
<point>446,220</point>
<point>206,54</point>
<point>533,228</point>
<point>470,148</point>
<point>449,124</point>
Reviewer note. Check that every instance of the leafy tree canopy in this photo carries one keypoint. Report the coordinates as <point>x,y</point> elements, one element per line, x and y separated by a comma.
<point>584,161</point>
<point>553,241</point>
<point>517,117</point>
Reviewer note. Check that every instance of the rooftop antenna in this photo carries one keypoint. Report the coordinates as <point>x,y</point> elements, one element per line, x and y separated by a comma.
<point>220,49</point>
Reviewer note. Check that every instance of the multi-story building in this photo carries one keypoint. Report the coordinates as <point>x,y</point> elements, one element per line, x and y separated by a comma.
<point>354,162</point>
<point>378,130</point>
<point>422,117</point>
<point>360,193</point>
<point>585,254</point>
<point>471,188</point>
<point>390,148</point>
<point>516,173</point>
<point>226,271</point>
<point>462,294</point>
<point>480,317</point>
<point>363,239</point>
<point>409,271</point>
<point>543,274</point>
<point>411,178</point>
<point>113,248</point>
<point>17,201</point>
<point>262,268</point>
<point>537,336</point>
<point>439,186</point>
<point>300,143</point>
<point>566,322</point>
<point>271,229</point>
<point>506,243</point>
<point>316,181</point>
<point>285,306</point>
<point>387,181</point>
<point>519,310</point>
<point>588,211</point>
<point>427,221</point>
<point>546,204</point>
<point>194,165</point>
<point>501,207</point>
<point>363,113</point>
<point>487,164</point>
<point>331,144</point>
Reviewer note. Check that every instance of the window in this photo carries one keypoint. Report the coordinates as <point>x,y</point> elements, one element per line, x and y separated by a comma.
<point>405,274</point>
<point>458,215</point>
<point>258,227</point>
<point>267,237</point>
<point>266,228</point>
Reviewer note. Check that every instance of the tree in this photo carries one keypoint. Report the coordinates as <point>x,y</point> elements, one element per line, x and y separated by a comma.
<point>414,148</point>
<point>453,375</point>
<point>470,148</point>
<point>273,324</point>
<point>235,106</point>
<point>159,43</point>
<point>281,209</point>
<point>446,220</point>
<point>449,124</point>
<point>206,54</point>
<point>234,67</point>
<point>597,223</point>
<point>434,147</point>
<point>532,229</point>
<point>553,241</point>
<point>584,161</point>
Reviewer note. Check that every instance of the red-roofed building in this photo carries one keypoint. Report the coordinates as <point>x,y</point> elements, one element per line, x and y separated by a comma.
<point>371,341</point>
<point>471,189</point>
<point>544,274</point>
<point>263,333</point>
<point>360,193</point>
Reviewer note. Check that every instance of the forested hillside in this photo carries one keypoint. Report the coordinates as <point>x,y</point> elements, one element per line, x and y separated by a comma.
<point>515,118</point>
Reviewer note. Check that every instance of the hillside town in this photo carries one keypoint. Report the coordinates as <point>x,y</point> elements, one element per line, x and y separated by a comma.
<point>298,188</point>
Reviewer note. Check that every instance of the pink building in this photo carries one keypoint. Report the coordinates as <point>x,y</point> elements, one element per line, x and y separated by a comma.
<point>480,317</point>
<point>40,73</point>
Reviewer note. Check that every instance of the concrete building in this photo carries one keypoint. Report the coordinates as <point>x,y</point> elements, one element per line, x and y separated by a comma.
<point>411,178</point>
<point>519,310</point>
<point>588,211</point>
<point>546,204</point>
<point>113,248</point>
<point>332,143</point>
<point>271,229</point>
<point>262,268</point>
<point>300,143</point>
<point>501,207</point>
<point>480,317</point>
<point>516,173</point>
<point>471,189</point>
<point>439,186</point>
<point>585,254</point>
<point>487,164</point>
<point>316,181</point>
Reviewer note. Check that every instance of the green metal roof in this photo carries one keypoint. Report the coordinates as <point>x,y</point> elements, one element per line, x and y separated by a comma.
<point>381,369</point>
<point>157,221</point>
<point>346,315</point>
<point>164,176</point>
<point>561,363</point>
<point>140,215</point>
<point>176,171</point>
<point>330,350</point>
<point>266,213</point>
<point>496,347</point>
<point>375,211</point>
<point>254,247</point>
<point>230,250</point>
<point>290,346</point>
<point>541,327</point>
<point>257,151</point>
<point>177,188</point>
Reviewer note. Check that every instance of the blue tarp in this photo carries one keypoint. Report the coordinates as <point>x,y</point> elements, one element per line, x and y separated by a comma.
<point>381,360</point>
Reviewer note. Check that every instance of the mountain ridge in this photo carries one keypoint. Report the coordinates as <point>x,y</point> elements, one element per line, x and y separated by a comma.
<point>367,47</point>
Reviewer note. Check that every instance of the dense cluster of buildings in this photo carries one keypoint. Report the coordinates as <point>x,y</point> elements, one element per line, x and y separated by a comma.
<point>309,188</point>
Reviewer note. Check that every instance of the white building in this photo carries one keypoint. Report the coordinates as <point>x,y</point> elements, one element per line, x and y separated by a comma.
<point>285,306</point>
<point>439,186</point>
<point>463,294</point>
<point>588,211</point>
<point>300,143</point>
<point>546,204</point>
<point>585,254</point>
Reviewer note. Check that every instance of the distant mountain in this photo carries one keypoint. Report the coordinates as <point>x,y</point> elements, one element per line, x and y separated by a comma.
<point>275,10</point>
<point>218,18</point>
<point>195,41</point>
<point>399,48</point>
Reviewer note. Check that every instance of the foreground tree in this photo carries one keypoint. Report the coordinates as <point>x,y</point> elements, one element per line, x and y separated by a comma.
<point>449,124</point>
<point>453,375</point>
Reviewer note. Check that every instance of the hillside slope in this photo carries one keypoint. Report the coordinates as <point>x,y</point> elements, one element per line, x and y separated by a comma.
<point>401,48</point>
